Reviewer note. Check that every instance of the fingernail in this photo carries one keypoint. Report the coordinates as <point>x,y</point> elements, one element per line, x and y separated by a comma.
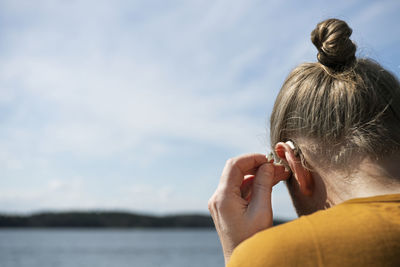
<point>279,163</point>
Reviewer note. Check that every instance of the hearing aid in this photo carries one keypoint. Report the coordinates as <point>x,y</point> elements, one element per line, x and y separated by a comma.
<point>290,143</point>
<point>277,160</point>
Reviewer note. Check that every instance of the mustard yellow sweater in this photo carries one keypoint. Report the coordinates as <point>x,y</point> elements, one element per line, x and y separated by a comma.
<point>358,232</point>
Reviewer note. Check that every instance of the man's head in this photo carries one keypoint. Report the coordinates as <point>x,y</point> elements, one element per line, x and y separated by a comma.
<point>338,112</point>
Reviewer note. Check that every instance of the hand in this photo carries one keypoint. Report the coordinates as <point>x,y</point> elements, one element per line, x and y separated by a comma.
<point>241,205</point>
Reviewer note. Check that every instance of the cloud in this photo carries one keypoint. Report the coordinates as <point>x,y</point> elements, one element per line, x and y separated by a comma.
<point>56,194</point>
<point>106,91</point>
<point>75,194</point>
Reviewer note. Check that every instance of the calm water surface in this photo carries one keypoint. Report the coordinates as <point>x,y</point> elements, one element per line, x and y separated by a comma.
<point>90,248</point>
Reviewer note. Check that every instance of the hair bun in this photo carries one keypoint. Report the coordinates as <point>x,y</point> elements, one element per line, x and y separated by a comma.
<point>332,39</point>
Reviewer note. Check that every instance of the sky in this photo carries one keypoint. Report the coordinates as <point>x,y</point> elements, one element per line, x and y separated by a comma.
<point>137,105</point>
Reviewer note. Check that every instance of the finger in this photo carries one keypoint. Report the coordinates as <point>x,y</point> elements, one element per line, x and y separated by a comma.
<point>245,188</point>
<point>262,188</point>
<point>267,176</point>
<point>281,173</point>
<point>236,168</point>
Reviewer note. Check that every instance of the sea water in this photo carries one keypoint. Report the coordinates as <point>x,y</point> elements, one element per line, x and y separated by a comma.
<point>109,247</point>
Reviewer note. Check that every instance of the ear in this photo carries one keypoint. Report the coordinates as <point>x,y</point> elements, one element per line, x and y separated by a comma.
<point>301,174</point>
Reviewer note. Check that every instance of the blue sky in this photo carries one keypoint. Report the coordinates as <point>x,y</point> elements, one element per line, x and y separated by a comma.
<point>136,105</point>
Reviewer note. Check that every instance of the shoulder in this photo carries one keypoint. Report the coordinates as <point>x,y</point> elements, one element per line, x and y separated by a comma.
<point>349,234</point>
<point>281,245</point>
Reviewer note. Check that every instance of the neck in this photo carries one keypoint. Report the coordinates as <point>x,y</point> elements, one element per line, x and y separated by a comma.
<point>368,179</point>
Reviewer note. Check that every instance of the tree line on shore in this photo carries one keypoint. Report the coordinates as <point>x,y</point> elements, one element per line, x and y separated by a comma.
<point>106,219</point>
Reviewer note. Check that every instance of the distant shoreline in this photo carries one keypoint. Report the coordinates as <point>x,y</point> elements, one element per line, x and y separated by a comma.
<point>106,219</point>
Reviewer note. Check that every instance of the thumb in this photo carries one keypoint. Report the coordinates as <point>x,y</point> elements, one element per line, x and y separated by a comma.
<point>268,175</point>
<point>262,187</point>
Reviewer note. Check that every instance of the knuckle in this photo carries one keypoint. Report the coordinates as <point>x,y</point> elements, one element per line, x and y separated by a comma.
<point>220,205</point>
<point>261,187</point>
<point>211,204</point>
<point>267,168</point>
<point>216,203</point>
<point>230,162</point>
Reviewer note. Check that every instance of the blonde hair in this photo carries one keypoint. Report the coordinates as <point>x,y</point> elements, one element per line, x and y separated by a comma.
<point>340,108</point>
